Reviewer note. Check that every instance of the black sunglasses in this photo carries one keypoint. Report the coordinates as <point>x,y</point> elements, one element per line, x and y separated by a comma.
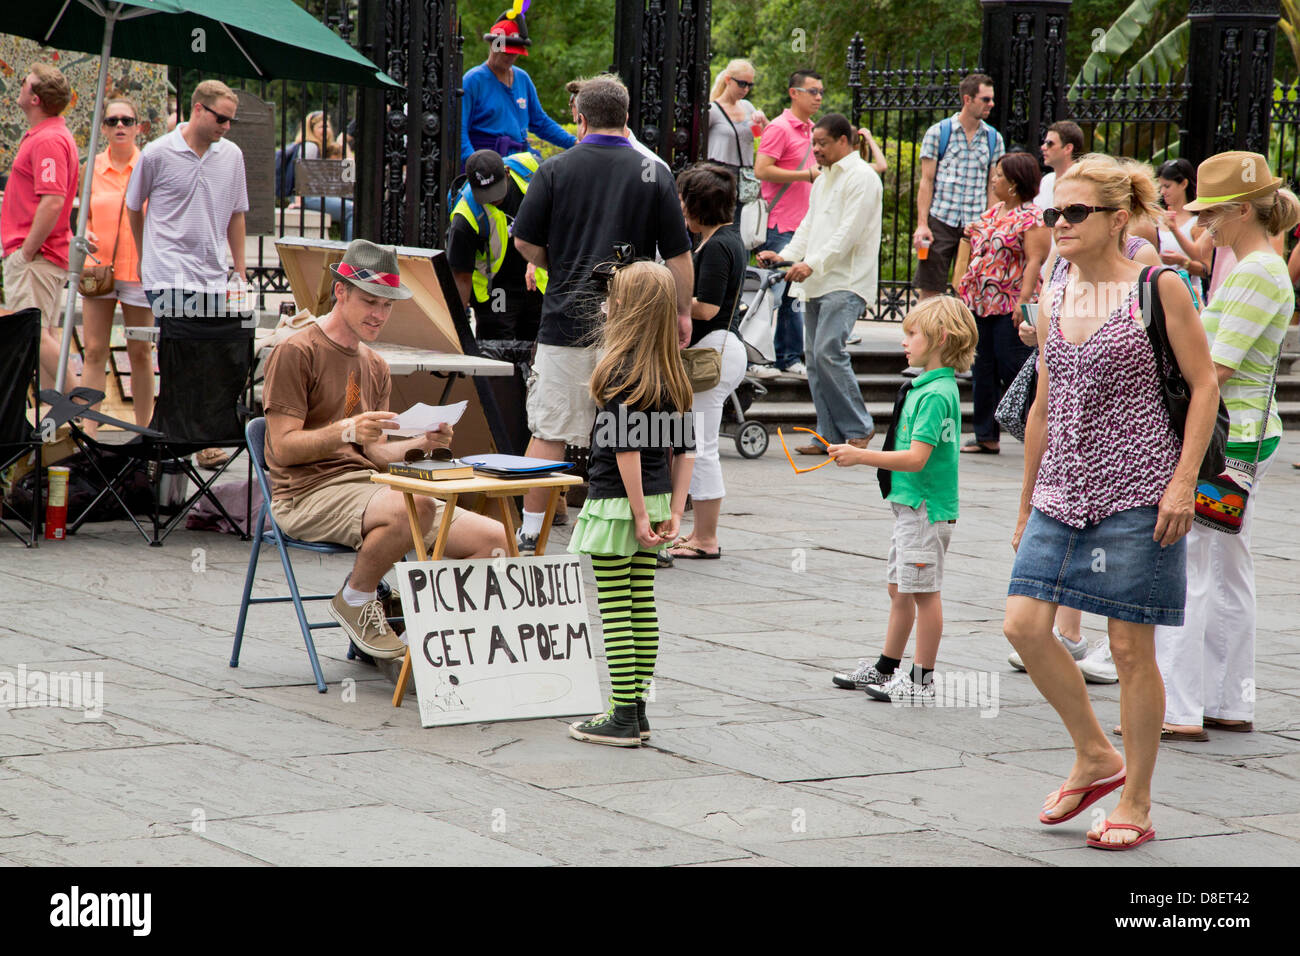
<point>119,120</point>
<point>1074,213</point>
<point>433,454</point>
<point>749,85</point>
<point>221,117</point>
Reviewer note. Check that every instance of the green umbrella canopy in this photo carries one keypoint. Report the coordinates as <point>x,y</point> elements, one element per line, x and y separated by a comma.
<point>264,39</point>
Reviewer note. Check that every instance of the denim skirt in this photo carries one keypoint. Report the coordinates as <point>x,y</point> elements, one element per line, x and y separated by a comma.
<point>1113,568</point>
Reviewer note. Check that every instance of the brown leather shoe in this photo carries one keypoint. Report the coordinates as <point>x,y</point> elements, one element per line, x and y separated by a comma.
<point>862,442</point>
<point>816,448</point>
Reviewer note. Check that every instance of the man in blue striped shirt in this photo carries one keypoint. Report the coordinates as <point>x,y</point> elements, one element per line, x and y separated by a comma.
<point>957,155</point>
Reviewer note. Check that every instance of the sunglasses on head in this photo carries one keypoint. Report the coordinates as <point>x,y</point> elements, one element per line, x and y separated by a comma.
<point>119,120</point>
<point>1074,213</point>
<point>220,117</point>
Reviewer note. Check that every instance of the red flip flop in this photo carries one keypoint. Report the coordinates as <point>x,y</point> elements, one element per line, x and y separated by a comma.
<point>1092,793</point>
<point>1143,835</point>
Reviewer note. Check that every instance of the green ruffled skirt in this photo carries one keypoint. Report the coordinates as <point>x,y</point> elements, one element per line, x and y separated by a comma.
<point>605,525</point>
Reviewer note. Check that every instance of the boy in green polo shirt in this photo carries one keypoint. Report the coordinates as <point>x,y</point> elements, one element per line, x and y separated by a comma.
<point>918,475</point>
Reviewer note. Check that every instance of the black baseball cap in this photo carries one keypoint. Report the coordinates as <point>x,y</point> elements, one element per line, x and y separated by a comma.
<point>487,176</point>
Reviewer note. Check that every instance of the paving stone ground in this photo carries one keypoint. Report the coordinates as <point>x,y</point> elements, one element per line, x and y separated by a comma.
<point>756,759</point>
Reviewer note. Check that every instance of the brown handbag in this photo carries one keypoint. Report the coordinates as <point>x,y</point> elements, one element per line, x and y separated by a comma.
<point>98,279</point>
<point>703,367</point>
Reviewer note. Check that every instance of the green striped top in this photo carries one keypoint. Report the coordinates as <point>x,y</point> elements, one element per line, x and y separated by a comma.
<point>1246,321</point>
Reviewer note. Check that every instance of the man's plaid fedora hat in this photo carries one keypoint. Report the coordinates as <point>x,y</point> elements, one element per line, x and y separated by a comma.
<point>372,269</point>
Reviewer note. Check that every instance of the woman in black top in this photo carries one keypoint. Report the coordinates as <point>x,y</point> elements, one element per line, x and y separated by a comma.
<point>708,197</point>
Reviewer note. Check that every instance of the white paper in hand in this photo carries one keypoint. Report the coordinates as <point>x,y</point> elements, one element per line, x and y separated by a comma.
<point>421,418</point>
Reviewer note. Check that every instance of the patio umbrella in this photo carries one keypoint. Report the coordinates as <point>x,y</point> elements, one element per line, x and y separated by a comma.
<point>263,39</point>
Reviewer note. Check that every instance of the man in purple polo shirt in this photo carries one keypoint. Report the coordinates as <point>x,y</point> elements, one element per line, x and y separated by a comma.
<point>579,206</point>
<point>34,223</point>
<point>784,163</point>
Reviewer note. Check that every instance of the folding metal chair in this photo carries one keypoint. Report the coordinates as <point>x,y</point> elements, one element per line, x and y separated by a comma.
<point>20,377</point>
<point>266,531</point>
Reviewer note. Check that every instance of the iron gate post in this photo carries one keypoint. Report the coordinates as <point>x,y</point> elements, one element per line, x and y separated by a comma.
<point>1230,72</point>
<point>408,142</point>
<point>661,52</point>
<point>1023,49</point>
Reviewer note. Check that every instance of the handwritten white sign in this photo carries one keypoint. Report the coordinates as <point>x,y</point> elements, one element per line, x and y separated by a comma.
<point>499,639</point>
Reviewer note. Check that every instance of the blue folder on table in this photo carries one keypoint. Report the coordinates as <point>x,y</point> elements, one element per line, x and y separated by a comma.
<point>514,466</point>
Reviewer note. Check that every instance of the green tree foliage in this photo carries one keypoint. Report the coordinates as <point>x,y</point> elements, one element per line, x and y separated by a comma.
<point>571,38</point>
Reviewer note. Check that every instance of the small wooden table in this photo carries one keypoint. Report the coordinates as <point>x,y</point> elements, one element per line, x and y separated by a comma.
<point>498,489</point>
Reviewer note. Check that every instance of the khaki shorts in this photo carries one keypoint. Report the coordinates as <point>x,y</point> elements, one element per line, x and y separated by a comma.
<point>559,404</point>
<point>916,550</point>
<point>333,511</point>
<point>36,284</point>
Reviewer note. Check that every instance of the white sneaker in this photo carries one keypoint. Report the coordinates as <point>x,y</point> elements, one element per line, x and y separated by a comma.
<point>764,371</point>
<point>798,370</point>
<point>1097,667</point>
<point>1077,650</point>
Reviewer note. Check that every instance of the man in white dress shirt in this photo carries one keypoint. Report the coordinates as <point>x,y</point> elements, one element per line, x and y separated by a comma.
<point>835,251</point>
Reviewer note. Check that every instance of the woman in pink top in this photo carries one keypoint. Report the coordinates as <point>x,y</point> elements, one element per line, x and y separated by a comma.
<point>111,234</point>
<point>1109,491</point>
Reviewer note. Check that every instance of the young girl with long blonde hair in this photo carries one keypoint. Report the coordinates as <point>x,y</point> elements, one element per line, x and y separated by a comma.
<point>636,497</point>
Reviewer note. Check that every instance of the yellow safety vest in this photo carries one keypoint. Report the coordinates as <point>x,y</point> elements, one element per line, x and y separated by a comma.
<point>488,264</point>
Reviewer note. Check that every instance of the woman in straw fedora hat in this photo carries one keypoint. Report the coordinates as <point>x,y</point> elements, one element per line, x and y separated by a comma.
<point>1109,490</point>
<point>1209,663</point>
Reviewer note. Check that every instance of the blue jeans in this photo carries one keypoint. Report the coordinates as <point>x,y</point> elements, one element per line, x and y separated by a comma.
<point>788,340</point>
<point>336,207</point>
<point>828,320</point>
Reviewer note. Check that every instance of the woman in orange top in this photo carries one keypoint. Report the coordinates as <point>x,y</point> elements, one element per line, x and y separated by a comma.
<point>111,235</point>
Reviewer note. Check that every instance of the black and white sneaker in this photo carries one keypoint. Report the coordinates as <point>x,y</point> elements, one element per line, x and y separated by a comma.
<point>902,691</point>
<point>526,543</point>
<point>617,727</point>
<point>865,674</point>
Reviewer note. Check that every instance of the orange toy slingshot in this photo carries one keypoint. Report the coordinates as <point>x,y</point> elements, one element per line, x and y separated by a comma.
<point>797,469</point>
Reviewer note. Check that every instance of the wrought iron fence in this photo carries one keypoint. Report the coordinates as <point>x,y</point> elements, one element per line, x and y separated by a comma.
<point>1140,117</point>
<point>1284,132</point>
<point>898,102</point>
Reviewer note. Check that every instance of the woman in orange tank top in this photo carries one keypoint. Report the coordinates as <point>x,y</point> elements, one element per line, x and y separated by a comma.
<point>111,234</point>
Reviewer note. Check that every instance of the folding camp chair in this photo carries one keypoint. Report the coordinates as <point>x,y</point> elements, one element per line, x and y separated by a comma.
<point>204,370</point>
<point>266,531</point>
<point>20,378</point>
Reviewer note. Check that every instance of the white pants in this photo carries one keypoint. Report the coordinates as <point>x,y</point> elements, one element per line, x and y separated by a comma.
<point>706,476</point>
<point>1208,664</point>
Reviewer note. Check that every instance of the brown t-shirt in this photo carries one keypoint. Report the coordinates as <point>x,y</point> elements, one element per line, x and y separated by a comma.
<point>312,377</point>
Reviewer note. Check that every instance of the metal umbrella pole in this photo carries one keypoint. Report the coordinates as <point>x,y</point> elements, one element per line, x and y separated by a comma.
<point>79,247</point>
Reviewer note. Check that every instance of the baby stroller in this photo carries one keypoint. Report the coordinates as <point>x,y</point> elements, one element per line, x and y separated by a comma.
<point>757,324</point>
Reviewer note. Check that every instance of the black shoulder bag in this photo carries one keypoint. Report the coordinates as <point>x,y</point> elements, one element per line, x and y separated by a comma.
<point>1174,389</point>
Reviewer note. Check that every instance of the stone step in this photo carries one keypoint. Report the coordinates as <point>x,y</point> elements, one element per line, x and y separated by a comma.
<point>875,388</point>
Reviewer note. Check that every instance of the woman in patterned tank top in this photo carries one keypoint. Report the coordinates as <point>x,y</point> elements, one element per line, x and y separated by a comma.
<point>1108,491</point>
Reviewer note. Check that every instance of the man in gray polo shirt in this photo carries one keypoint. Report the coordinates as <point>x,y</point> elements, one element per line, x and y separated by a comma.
<point>193,181</point>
